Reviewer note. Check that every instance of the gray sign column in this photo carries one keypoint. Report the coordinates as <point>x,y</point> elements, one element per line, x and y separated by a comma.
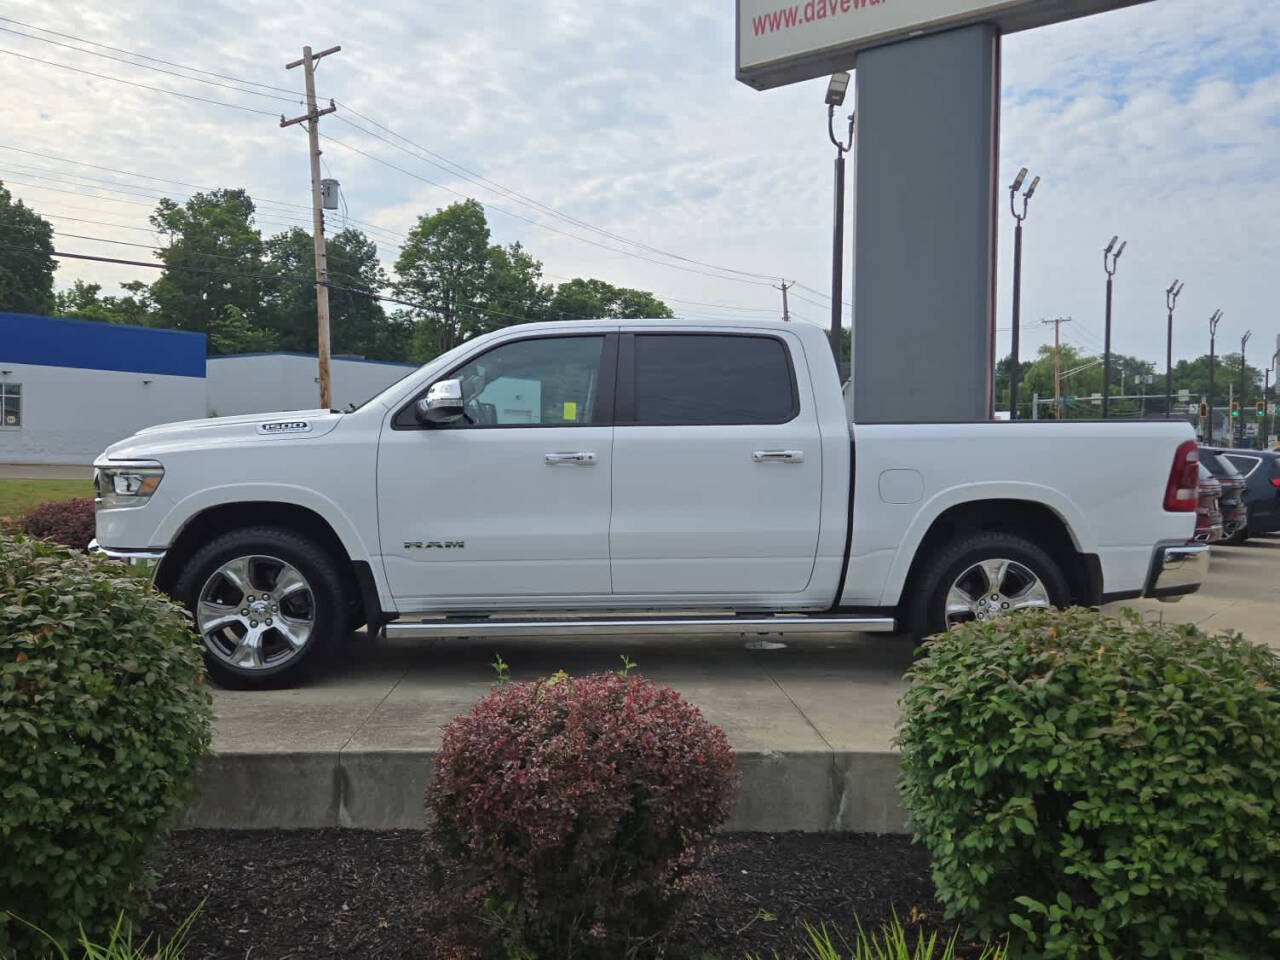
<point>924,248</point>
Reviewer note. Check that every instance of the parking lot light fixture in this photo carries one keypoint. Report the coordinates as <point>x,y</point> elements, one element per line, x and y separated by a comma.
<point>1213,335</point>
<point>836,90</point>
<point>1014,349</point>
<point>1109,262</point>
<point>1171,300</point>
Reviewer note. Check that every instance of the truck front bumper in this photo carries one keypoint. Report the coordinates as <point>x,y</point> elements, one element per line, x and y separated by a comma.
<point>144,563</point>
<point>1177,570</point>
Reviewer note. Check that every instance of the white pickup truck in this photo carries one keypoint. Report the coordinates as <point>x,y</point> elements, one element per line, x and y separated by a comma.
<point>637,477</point>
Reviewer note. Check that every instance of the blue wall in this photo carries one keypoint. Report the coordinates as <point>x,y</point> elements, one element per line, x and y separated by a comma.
<point>88,345</point>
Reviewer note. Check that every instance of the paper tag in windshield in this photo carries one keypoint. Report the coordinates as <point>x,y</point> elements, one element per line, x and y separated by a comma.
<point>570,410</point>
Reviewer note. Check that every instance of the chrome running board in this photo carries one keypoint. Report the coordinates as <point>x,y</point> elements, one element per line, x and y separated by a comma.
<point>635,626</point>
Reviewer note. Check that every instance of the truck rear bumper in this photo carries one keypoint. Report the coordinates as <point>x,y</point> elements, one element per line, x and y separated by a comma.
<point>144,563</point>
<point>1177,570</point>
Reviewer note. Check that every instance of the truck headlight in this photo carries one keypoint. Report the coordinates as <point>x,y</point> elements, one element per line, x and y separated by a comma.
<point>126,484</point>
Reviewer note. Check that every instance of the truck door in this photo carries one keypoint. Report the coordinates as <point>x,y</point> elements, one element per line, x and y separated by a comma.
<point>717,467</point>
<point>510,505</point>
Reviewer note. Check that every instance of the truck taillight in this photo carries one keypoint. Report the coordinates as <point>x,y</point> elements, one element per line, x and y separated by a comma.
<point>1184,479</point>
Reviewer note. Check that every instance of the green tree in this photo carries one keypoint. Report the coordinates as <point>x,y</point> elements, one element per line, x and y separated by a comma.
<point>26,267</point>
<point>443,268</point>
<point>84,300</point>
<point>214,259</point>
<point>354,273</point>
<point>231,332</point>
<point>580,299</point>
<point>1193,376</point>
<point>513,290</point>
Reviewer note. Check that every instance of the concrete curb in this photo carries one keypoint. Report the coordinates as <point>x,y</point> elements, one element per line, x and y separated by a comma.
<point>816,791</point>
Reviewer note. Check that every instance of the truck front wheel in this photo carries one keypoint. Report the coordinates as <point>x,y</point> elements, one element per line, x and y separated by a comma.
<point>984,576</point>
<point>267,601</point>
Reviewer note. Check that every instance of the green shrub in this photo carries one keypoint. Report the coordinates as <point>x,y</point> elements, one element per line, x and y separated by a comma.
<point>1110,788</point>
<point>103,718</point>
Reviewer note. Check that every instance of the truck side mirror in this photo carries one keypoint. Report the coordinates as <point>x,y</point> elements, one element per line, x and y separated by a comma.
<point>442,404</point>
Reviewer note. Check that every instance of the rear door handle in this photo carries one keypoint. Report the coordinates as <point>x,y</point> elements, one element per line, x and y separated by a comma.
<point>582,458</point>
<point>778,456</point>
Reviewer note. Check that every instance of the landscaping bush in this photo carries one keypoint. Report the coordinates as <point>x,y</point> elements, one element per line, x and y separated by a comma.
<point>568,816</point>
<point>103,717</point>
<point>1110,788</point>
<point>68,522</point>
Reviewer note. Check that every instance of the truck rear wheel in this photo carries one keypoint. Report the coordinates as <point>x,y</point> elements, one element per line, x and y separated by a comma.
<point>984,576</point>
<point>267,602</point>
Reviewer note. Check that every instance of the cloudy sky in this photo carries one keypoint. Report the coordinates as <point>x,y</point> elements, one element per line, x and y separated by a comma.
<point>1160,122</point>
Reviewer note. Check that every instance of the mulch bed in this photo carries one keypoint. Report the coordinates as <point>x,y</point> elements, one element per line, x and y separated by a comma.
<point>271,895</point>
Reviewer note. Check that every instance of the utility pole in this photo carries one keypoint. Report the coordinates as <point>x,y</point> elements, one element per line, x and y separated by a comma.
<point>1213,333</point>
<point>1015,365</point>
<point>1057,348</point>
<point>1109,263</point>
<point>1171,299</point>
<point>312,116</point>
<point>786,314</point>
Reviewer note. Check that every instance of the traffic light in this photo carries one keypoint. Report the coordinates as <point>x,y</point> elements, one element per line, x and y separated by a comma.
<point>1235,409</point>
<point>1204,410</point>
<point>1261,409</point>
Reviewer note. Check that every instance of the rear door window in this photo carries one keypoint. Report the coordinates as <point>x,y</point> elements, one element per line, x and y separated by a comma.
<point>692,379</point>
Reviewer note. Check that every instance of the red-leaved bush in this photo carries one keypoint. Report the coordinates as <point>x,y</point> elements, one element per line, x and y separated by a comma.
<point>68,522</point>
<point>568,817</point>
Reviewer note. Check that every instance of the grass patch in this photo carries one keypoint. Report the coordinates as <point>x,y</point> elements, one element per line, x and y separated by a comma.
<point>18,496</point>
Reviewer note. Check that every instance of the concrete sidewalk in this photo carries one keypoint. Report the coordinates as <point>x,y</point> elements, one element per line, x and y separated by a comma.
<point>813,723</point>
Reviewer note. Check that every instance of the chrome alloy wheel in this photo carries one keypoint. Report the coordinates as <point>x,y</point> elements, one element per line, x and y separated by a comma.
<point>992,589</point>
<point>256,612</point>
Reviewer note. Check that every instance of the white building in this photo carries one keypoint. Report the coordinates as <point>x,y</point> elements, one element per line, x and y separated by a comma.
<point>261,382</point>
<point>69,388</point>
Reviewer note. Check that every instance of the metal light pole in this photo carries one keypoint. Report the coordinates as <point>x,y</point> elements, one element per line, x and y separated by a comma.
<point>1239,433</point>
<point>836,90</point>
<point>1109,262</point>
<point>1213,334</point>
<point>1171,298</point>
<point>1014,367</point>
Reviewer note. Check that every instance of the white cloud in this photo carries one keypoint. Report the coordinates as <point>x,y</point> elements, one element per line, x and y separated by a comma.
<point>1160,122</point>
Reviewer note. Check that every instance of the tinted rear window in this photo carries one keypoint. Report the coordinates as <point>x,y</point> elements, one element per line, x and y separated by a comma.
<point>684,379</point>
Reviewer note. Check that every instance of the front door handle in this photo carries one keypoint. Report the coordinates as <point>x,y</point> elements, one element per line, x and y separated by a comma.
<point>778,456</point>
<point>582,458</point>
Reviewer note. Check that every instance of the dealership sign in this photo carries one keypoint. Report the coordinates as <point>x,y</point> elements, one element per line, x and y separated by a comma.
<point>783,41</point>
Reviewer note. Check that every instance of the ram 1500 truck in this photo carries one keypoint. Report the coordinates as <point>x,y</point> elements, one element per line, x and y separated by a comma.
<point>638,477</point>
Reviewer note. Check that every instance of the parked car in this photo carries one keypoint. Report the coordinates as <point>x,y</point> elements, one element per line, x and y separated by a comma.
<point>1208,513</point>
<point>589,477</point>
<point>1235,513</point>
<point>1261,472</point>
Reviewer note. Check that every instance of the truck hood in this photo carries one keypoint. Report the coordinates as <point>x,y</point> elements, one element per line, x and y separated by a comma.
<point>292,425</point>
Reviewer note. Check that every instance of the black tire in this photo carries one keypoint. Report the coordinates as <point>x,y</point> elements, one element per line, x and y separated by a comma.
<point>925,613</point>
<point>326,601</point>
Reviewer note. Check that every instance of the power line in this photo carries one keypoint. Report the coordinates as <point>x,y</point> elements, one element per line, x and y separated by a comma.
<point>544,226</point>
<point>143,56</point>
<point>443,162</point>
<point>144,66</point>
<point>144,191</point>
<point>450,166</point>
<point>134,83</point>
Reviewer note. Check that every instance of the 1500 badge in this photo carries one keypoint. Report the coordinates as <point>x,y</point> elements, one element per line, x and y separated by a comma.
<point>435,544</point>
